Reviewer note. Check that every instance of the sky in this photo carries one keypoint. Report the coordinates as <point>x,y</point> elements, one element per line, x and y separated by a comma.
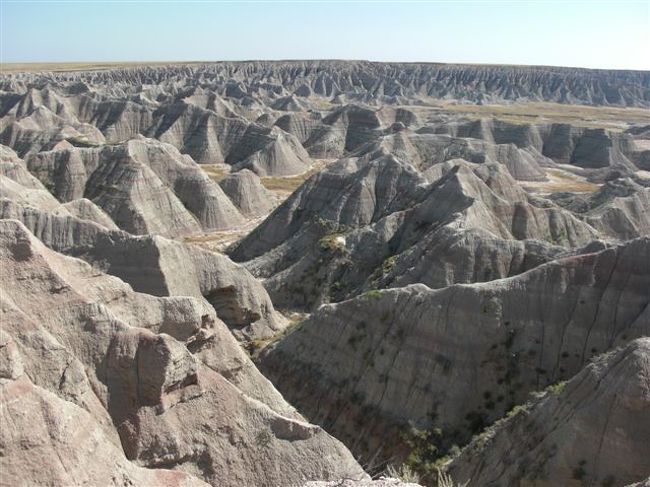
<point>581,33</point>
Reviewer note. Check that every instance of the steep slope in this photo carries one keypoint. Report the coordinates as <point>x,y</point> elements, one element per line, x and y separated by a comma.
<point>364,223</point>
<point>591,430</point>
<point>85,209</point>
<point>430,213</point>
<point>587,148</point>
<point>245,190</point>
<point>424,150</point>
<point>158,266</point>
<point>65,440</point>
<point>143,185</point>
<point>457,358</point>
<point>271,152</point>
<point>176,389</point>
<point>619,210</point>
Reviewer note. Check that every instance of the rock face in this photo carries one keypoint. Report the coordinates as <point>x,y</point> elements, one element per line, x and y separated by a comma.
<point>158,266</point>
<point>363,224</point>
<point>279,154</point>
<point>85,209</point>
<point>66,442</point>
<point>540,143</point>
<point>143,185</point>
<point>619,210</point>
<point>592,430</point>
<point>460,357</point>
<point>160,378</point>
<point>247,193</point>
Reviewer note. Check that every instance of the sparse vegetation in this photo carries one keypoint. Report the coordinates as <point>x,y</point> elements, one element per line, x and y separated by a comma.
<point>389,264</point>
<point>556,388</point>
<point>217,172</point>
<point>332,242</point>
<point>82,141</point>
<point>283,186</point>
<point>428,452</point>
<point>372,294</point>
<point>254,347</point>
<point>560,180</point>
<point>445,480</point>
<point>543,112</point>
<point>403,473</point>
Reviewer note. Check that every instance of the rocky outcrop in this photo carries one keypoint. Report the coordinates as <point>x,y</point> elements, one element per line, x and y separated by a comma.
<point>158,266</point>
<point>619,210</point>
<point>471,224</point>
<point>160,378</point>
<point>271,153</point>
<point>563,143</point>
<point>424,150</point>
<point>85,209</point>
<point>456,359</point>
<point>66,445</point>
<point>246,192</point>
<point>591,430</point>
<point>143,185</point>
<point>44,130</point>
<point>462,278</point>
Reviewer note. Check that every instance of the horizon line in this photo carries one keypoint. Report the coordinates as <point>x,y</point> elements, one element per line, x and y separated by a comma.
<point>97,65</point>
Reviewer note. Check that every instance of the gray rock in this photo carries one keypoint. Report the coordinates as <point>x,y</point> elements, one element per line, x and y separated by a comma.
<point>143,185</point>
<point>178,390</point>
<point>389,81</point>
<point>592,430</point>
<point>85,209</point>
<point>365,224</point>
<point>383,482</point>
<point>247,193</point>
<point>158,266</point>
<point>619,210</point>
<point>457,358</point>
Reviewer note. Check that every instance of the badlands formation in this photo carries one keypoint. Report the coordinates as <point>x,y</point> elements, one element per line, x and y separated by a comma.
<point>325,273</point>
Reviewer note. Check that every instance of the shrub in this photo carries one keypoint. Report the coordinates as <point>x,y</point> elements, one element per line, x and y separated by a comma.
<point>445,480</point>
<point>556,388</point>
<point>518,409</point>
<point>403,473</point>
<point>332,242</point>
<point>388,265</point>
<point>375,293</point>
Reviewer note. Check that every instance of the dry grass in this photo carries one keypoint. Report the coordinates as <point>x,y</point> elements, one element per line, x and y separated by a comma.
<point>561,181</point>
<point>217,172</point>
<point>611,118</point>
<point>320,103</point>
<point>255,347</point>
<point>284,186</point>
<point>219,241</point>
<point>403,473</point>
<point>216,241</point>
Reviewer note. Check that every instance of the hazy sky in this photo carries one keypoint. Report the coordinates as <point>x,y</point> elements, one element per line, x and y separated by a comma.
<point>596,33</point>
